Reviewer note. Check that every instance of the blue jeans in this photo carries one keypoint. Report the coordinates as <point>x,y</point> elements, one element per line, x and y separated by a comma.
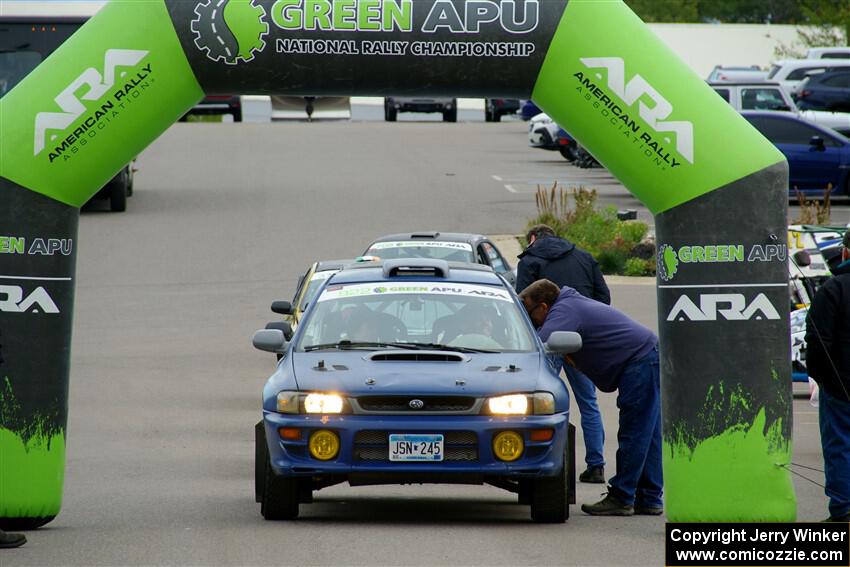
<point>835,440</point>
<point>639,479</point>
<point>591,420</point>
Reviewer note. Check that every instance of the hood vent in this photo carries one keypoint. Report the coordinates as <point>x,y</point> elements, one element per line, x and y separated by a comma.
<point>417,356</point>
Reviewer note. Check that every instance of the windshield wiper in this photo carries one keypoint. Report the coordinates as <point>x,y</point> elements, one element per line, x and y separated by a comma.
<point>346,344</point>
<point>438,346</point>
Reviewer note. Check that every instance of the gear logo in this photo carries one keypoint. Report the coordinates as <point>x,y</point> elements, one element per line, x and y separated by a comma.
<point>232,31</point>
<point>668,262</point>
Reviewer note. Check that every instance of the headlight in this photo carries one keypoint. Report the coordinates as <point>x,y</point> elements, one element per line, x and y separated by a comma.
<point>298,402</point>
<point>323,403</point>
<point>514,404</point>
<point>540,403</point>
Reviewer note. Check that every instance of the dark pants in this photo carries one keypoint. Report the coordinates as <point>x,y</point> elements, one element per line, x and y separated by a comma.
<point>639,479</point>
<point>835,440</point>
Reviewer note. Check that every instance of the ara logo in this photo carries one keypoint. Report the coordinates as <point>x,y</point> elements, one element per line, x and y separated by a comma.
<point>656,115</point>
<point>72,107</point>
<point>729,306</point>
<point>232,31</point>
<point>12,300</point>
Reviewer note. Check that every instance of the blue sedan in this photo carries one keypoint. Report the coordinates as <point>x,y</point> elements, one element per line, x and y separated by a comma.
<point>818,157</point>
<point>415,371</point>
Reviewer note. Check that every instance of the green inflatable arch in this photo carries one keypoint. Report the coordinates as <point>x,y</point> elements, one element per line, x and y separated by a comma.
<point>717,187</point>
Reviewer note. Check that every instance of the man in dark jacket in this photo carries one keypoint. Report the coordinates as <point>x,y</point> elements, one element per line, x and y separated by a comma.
<point>828,362</point>
<point>560,261</point>
<point>617,354</point>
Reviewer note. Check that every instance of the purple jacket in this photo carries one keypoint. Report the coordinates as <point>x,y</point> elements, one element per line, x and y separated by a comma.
<point>610,339</point>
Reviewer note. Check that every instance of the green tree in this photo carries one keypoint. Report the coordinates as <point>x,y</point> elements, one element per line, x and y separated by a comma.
<point>826,15</point>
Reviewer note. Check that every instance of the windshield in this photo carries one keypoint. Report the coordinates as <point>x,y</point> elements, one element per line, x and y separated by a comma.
<point>453,316</point>
<point>14,66</point>
<point>440,250</point>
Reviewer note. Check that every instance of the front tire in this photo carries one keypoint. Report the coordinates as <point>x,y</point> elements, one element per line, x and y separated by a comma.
<point>550,497</point>
<point>280,495</point>
<point>450,115</point>
<point>118,192</point>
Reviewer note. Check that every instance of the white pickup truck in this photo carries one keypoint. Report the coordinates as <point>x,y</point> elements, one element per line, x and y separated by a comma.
<point>772,96</point>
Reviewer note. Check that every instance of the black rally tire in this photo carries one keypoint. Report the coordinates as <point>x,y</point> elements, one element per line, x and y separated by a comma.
<point>549,497</point>
<point>280,496</point>
<point>489,115</point>
<point>450,115</point>
<point>261,457</point>
<point>118,192</point>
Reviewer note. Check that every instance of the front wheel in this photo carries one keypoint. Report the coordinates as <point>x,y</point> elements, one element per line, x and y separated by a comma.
<point>568,153</point>
<point>280,495</point>
<point>118,192</point>
<point>550,497</point>
<point>450,115</point>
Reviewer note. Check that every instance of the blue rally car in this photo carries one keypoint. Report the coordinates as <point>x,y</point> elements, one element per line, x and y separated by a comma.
<point>415,371</point>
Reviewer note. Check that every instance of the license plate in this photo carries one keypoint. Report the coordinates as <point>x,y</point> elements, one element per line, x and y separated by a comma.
<point>407,448</point>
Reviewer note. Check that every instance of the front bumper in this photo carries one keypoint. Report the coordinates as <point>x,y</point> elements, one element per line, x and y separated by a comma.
<point>539,458</point>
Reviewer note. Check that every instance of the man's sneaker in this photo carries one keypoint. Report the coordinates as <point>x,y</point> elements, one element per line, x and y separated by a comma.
<point>593,475</point>
<point>608,506</point>
<point>641,510</point>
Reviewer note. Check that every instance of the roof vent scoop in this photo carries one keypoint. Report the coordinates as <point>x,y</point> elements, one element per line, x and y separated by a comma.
<point>427,267</point>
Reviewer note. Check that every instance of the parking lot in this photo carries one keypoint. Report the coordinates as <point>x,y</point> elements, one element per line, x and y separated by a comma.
<point>165,386</point>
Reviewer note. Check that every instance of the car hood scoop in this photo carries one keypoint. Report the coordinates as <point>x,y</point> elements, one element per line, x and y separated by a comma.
<point>417,356</point>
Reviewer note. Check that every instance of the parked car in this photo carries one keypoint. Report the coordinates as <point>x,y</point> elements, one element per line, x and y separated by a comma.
<point>828,53</point>
<point>529,110</point>
<point>791,72</point>
<point>722,73</point>
<point>415,371</point>
<point>818,157</point>
<point>306,289</point>
<point>449,246</point>
<point>827,91</point>
<point>217,105</point>
<point>545,134</point>
<point>495,108</point>
<point>394,105</point>
<point>772,96</point>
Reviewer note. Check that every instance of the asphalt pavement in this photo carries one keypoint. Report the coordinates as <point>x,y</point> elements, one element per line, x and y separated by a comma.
<point>165,385</point>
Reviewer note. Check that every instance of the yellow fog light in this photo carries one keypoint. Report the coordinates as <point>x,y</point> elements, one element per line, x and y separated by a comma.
<point>508,446</point>
<point>324,445</point>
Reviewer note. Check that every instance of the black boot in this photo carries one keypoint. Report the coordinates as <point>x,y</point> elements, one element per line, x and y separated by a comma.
<point>608,506</point>
<point>8,540</point>
<point>593,475</point>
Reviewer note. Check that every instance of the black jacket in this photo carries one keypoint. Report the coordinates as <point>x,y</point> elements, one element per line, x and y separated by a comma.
<point>559,260</point>
<point>828,335</point>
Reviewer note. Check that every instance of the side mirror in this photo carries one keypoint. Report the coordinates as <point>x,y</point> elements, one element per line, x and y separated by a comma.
<point>270,340</point>
<point>282,307</point>
<point>282,326</point>
<point>817,143</point>
<point>802,258</point>
<point>563,342</point>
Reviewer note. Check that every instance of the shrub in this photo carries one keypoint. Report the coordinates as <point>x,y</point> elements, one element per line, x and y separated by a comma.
<point>600,232</point>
